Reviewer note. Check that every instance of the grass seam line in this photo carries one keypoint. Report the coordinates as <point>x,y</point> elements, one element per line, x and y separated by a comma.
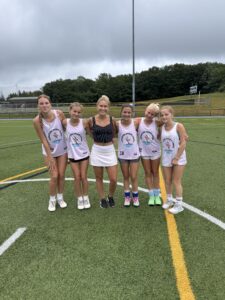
<point>11,240</point>
<point>182,278</point>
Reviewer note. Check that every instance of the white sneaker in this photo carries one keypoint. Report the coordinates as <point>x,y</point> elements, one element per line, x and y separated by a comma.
<point>87,202</point>
<point>80,203</point>
<point>51,205</point>
<point>177,208</point>
<point>62,203</point>
<point>167,204</point>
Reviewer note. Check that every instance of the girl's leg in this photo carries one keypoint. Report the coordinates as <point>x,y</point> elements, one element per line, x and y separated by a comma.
<point>112,174</point>
<point>83,172</point>
<point>61,162</point>
<point>77,178</point>
<point>134,182</point>
<point>167,175</point>
<point>155,172</point>
<point>126,175</point>
<point>52,186</point>
<point>134,166</point>
<point>99,181</point>
<point>177,180</point>
<point>155,175</point>
<point>147,165</point>
<point>177,177</point>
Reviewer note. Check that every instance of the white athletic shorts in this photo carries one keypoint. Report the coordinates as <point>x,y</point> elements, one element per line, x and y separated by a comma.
<point>103,156</point>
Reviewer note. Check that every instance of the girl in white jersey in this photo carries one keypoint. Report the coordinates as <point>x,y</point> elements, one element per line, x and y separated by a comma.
<point>78,153</point>
<point>173,138</point>
<point>150,150</point>
<point>48,125</point>
<point>128,154</point>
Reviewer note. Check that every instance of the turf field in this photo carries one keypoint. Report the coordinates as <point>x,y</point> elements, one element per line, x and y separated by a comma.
<point>119,253</point>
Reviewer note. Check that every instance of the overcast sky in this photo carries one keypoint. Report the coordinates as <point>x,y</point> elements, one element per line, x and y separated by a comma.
<point>45,40</point>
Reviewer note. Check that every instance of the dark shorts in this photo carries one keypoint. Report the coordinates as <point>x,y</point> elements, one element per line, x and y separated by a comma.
<point>128,161</point>
<point>78,160</point>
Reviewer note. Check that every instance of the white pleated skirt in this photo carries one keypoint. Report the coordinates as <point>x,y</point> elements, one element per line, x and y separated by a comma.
<point>103,156</point>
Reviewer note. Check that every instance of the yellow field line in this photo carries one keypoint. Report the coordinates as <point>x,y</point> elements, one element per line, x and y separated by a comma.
<point>22,174</point>
<point>182,278</point>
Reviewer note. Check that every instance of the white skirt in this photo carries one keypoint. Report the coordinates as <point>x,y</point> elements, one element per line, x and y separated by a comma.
<point>103,156</point>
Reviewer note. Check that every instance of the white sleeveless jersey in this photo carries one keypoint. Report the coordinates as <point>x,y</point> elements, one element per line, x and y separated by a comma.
<point>149,145</point>
<point>76,141</point>
<point>170,144</point>
<point>55,136</point>
<point>127,142</point>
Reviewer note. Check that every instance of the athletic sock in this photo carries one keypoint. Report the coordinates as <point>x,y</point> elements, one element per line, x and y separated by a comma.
<point>52,198</point>
<point>127,193</point>
<point>151,192</point>
<point>135,194</point>
<point>169,197</point>
<point>179,199</point>
<point>156,192</point>
<point>59,197</point>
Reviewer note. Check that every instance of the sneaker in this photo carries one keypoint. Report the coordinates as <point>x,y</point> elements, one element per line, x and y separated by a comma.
<point>158,200</point>
<point>87,202</point>
<point>52,205</point>
<point>80,203</point>
<point>151,200</point>
<point>167,204</point>
<point>136,202</point>
<point>62,204</point>
<point>177,208</point>
<point>103,203</point>
<point>111,201</point>
<point>127,201</point>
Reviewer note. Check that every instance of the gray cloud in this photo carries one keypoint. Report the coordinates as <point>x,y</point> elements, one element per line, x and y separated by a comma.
<point>41,41</point>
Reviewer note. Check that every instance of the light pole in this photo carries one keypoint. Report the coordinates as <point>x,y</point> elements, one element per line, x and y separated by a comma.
<point>133,59</point>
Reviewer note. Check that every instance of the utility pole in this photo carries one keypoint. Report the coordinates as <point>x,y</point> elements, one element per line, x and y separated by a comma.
<point>133,59</point>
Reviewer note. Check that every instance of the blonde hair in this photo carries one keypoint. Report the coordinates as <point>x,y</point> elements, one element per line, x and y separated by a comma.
<point>76,104</point>
<point>103,98</point>
<point>169,108</point>
<point>154,107</point>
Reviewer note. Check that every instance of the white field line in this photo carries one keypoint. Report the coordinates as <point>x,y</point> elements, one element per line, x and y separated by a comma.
<point>187,206</point>
<point>11,239</point>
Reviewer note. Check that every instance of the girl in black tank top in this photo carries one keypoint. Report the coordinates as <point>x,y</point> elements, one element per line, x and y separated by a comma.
<point>103,153</point>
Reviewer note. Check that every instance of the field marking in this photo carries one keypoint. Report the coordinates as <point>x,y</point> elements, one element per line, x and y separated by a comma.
<point>22,174</point>
<point>182,278</point>
<point>193,209</point>
<point>11,239</point>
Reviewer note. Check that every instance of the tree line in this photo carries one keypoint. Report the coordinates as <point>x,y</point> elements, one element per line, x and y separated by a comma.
<point>154,83</point>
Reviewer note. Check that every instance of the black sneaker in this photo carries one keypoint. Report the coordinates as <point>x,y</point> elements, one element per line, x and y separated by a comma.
<point>111,201</point>
<point>103,203</point>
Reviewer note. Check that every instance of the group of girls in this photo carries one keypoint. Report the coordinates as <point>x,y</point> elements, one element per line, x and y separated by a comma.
<point>138,139</point>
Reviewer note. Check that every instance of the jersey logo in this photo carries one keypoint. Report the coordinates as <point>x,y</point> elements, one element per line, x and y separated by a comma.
<point>55,136</point>
<point>75,139</point>
<point>128,140</point>
<point>147,137</point>
<point>168,145</point>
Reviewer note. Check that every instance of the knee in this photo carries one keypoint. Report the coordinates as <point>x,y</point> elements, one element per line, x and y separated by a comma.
<point>61,176</point>
<point>113,180</point>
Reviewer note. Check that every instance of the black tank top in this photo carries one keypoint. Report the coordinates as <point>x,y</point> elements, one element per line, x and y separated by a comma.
<point>102,134</point>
